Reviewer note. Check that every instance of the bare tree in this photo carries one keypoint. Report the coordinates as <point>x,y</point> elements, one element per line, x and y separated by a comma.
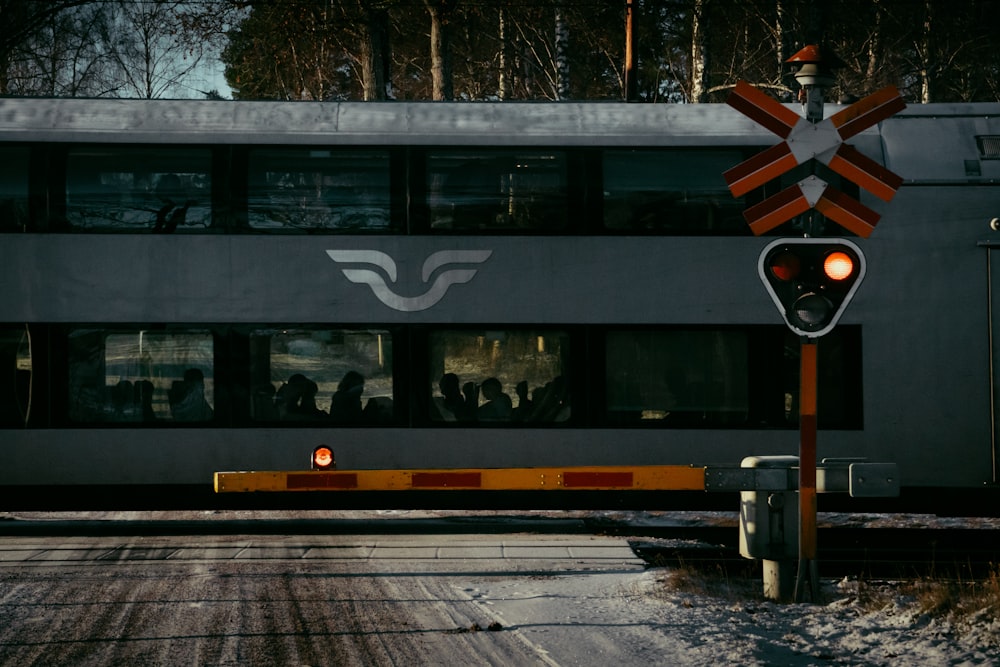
<point>21,21</point>
<point>150,49</point>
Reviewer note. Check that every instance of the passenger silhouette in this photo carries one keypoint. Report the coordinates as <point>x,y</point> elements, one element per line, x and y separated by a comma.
<point>297,399</point>
<point>498,406</point>
<point>524,403</point>
<point>123,402</point>
<point>345,405</point>
<point>187,398</point>
<point>552,402</point>
<point>263,402</point>
<point>144,400</point>
<point>453,405</point>
<point>171,213</point>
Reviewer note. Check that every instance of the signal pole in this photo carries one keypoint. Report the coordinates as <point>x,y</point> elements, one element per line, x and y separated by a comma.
<point>808,570</point>
<point>815,75</point>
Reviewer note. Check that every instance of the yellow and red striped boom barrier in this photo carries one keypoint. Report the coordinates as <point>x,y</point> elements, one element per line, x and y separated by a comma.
<point>621,478</point>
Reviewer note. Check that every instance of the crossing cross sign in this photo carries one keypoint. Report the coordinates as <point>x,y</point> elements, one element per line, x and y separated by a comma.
<point>823,142</point>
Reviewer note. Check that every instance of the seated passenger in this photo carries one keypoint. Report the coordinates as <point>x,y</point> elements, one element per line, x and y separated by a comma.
<point>498,406</point>
<point>187,398</point>
<point>345,405</point>
<point>296,399</point>
<point>452,405</point>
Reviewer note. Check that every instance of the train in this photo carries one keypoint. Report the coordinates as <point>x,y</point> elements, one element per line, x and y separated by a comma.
<point>198,286</point>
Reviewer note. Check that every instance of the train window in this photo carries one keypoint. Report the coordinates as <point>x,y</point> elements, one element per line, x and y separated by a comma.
<point>15,376</point>
<point>339,375</point>
<point>514,190</point>
<point>500,376</point>
<point>685,378</point>
<point>13,189</point>
<point>141,376</point>
<point>677,191</point>
<point>303,189</point>
<point>129,189</point>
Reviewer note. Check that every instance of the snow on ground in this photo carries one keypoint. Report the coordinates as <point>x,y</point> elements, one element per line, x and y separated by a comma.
<point>670,616</point>
<point>641,619</point>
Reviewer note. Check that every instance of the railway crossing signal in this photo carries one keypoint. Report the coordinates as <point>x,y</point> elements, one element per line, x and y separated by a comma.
<point>821,141</point>
<point>811,280</point>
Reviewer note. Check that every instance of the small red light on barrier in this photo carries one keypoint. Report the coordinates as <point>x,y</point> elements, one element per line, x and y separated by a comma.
<point>323,459</point>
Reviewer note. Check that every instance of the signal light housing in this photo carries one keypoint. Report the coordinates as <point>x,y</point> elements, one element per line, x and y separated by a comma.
<point>811,280</point>
<point>323,459</point>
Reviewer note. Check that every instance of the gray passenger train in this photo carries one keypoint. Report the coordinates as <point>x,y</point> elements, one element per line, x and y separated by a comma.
<point>196,286</point>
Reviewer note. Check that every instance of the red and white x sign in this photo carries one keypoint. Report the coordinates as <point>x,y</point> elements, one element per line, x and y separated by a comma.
<point>822,141</point>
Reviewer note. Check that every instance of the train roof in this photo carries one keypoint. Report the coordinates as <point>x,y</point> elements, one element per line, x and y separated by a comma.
<point>397,123</point>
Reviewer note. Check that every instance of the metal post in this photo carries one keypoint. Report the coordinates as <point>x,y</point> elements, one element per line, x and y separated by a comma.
<point>807,472</point>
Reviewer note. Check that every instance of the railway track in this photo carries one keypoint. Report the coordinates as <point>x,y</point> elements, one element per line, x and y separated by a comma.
<point>899,553</point>
<point>943,553</point>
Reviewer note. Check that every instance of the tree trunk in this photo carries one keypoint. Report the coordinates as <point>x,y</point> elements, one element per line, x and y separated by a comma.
<point>926,55</point>
<point>441,76</point>
<point>376,80</point>
<point>699,53</point>
<point>561,55</point>
<point>505,75</point>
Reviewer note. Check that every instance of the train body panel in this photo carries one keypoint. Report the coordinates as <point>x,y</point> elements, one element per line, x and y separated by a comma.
<point>532,243</point>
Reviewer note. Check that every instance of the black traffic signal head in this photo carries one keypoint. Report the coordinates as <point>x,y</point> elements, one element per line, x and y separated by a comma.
<point>811,280</point>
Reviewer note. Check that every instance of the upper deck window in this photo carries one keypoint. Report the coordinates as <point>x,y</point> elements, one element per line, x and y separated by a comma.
<point>502,190</point>
<point>677,191</point>
<point>310,189</point>
<point>132,189</point>
<point>13,189</point>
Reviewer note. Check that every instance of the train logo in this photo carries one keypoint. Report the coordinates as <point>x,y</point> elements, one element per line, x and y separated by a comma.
<point>409,304</point>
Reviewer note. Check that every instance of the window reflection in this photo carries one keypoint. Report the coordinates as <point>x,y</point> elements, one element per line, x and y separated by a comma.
<point>338,375</point>
<point>671,191</point>
<point>677,378</point>
<point>302,189</point>
<point>13,189</point>
<point>141,376</point>
<point>500,376</point>
<point>497,190</point>
<point>128,189</point>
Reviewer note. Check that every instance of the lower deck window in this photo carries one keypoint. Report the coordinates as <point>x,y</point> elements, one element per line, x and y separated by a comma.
<point>141,376</point>
<point>321,376</point>
<point>677,378</point>
<point>15,376</point>
<point>726,378</point>
<point>338,375</point>
<point>500,376</point>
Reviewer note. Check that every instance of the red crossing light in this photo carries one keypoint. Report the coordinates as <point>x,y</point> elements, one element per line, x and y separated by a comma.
<point>811,280</point>
<point>838,265</point>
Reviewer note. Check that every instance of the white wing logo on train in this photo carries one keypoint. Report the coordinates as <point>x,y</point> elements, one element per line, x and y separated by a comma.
<point>434,293</point>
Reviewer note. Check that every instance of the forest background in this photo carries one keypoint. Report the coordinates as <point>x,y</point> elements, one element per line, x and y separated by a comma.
<point>674,51</point>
